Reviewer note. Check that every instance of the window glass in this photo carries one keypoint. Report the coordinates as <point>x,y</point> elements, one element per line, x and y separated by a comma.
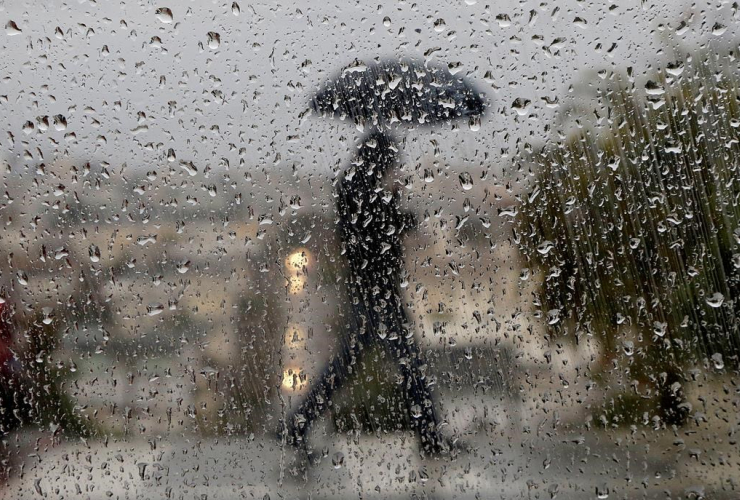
<point>369,250</point>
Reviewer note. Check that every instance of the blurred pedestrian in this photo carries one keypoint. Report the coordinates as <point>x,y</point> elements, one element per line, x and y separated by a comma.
<point>372,226</point>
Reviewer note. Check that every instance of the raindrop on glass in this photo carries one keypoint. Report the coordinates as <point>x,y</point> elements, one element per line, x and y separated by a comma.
<point>718,361</point>
<point>164,15</point>
<point>715,300</point>
<point>214,40</point>
<point>12,29</point>
<point>466,181</point>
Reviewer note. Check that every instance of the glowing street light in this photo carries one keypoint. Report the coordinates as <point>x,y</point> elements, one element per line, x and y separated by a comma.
<point>297,270</point>
<point>294,379</point>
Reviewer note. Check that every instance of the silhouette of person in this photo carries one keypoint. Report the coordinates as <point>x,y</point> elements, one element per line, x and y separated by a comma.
<point>371,226</point>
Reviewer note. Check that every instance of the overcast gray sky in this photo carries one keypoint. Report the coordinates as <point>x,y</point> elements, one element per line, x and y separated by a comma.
<point>131,84</point>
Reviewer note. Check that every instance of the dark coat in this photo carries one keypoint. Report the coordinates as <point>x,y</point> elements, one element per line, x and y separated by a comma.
<point>371,222</point>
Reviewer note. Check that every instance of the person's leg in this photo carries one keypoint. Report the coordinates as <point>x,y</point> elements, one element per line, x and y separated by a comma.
<point>418,396</point>
<point>332,378</point>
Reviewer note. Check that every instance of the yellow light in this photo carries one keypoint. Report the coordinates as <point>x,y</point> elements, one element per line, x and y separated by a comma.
<point>297,264</point>
<point>294,379</point>
<point>295,284</point>
<point>297,260</point>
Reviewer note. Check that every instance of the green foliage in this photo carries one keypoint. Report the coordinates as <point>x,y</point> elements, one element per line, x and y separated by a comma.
<point>635,221</point>
<point>35,393</point>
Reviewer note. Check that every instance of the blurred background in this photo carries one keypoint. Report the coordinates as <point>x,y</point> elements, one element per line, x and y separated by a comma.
<point>171,278</point>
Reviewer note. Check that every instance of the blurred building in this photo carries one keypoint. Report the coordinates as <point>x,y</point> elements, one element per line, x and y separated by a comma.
<point>201,315</point>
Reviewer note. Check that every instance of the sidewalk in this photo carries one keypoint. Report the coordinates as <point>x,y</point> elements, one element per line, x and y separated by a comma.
<point>526,466</point>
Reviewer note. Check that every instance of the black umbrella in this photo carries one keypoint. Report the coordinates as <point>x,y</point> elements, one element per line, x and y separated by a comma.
<point>404,92</point>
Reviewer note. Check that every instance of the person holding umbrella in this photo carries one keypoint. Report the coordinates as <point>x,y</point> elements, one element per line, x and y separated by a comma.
<point>380,97</point>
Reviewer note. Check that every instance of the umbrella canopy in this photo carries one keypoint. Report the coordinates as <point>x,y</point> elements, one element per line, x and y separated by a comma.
<point>398,92</point>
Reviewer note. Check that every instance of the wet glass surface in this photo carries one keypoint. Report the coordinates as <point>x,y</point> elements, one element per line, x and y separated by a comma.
<point>391,250</point>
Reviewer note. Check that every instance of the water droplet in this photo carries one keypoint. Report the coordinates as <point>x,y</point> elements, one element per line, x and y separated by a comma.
<point>183,266</point>
<point>48,313</point>
<point>387,22</point>
<point>545,247</point>
<point>142,469</point>
<point>235,9</point>
<point>466,181</point>
<point>718,361</point>
<point>164,15</point>
<point>154,309</point>
<point>337,460</point>
<point>60,122</point>
<point>94,252</point>
<point>718,29</point>
<point>22,278</point>
<point>214,40</point>
<point>660,328</point>
<point>382,331</point>
<point>675,68</point>
<point>521,106</point>
<point>189,167</point>
<point>602,492</point>
<point>716,300</point>
<point>504,21</point>
<point>12,29</point>
<point>415,411</point>
<point>474,123</point>
<point>654,88</point>
<point>629,347</point>
<point>145,240</point>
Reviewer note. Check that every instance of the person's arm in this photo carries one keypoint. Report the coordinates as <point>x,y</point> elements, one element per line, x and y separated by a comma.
<point>406,220</point>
